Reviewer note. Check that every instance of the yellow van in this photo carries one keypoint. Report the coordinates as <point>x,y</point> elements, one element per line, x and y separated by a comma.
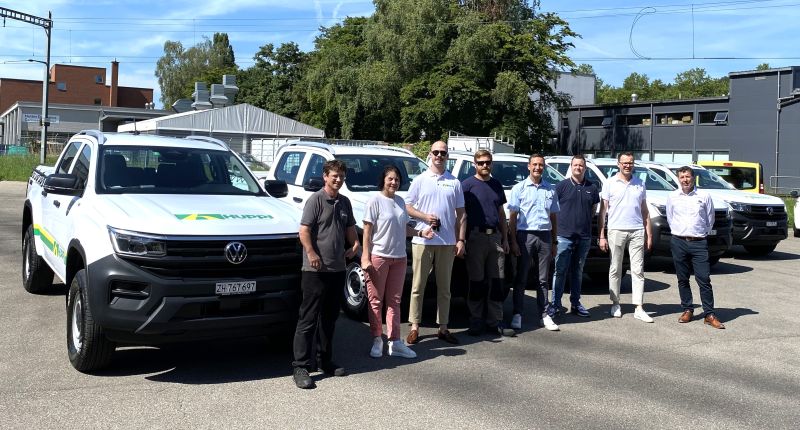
<point>743,175</point>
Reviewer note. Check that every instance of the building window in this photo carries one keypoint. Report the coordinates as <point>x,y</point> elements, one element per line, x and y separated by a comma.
<point>629,120</point>
<point>98,79</point>
<point>713,117</point>
<point>597,121</point>
<point>97,101</point>
<point>680,118</point>
<point>61,86</point>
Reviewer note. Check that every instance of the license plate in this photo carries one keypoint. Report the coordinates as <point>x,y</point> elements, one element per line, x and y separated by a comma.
<point>772,223</point>
<point>242,287</point>
<point>712,233</point>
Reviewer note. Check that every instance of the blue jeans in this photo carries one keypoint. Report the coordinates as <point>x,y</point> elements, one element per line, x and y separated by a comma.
<point>570,257</point>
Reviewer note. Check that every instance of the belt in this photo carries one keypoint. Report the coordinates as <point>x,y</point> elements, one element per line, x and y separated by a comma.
<point>487,230</point>
<point>689,238</point>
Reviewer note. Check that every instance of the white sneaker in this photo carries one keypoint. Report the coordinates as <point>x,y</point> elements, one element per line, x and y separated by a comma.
<point>548,323</point>
<point>377,347</point>
<point>616,311</point>
<point>398,348</point>
<point>641,314</point>
<point>516,322</point>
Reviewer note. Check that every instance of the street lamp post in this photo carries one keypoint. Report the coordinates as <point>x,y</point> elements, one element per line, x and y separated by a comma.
<point>44,121</point>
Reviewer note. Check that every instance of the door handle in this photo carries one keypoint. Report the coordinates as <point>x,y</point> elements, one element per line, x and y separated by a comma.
<point>56,203</point>
<point>297,199</point>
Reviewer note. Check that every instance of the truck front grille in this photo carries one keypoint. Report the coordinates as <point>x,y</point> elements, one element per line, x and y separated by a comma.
<point>205,259</point>
<point>767,212</point>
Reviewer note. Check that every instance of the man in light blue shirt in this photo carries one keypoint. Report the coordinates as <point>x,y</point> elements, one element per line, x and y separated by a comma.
<point>532,225</point>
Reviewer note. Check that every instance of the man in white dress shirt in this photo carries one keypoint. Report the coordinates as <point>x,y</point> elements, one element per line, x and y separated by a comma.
<point>690,214</point>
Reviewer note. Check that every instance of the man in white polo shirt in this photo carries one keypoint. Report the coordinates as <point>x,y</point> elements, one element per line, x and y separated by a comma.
<point>624,199</point>
<point>436,199</point>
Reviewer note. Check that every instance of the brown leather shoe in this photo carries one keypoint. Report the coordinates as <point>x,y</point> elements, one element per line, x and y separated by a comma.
<point>413,337</point>
<point>713,321</point>
<point>448,337</point>
<point>686,316</point>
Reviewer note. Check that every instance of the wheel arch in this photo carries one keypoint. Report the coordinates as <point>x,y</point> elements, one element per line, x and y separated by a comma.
<point>76,260</point>
<point>27,218</point>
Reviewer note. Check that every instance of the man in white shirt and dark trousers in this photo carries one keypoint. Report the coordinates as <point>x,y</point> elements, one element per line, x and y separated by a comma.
<point>624,198</point>
<point>690,214</point>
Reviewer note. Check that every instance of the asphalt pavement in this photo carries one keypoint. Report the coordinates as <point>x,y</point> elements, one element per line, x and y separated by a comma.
<point>598,373</point>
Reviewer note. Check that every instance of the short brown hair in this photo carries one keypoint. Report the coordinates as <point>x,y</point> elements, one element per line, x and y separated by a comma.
<point>578,157</point>
<point>337,165</point>
<point>625,154</point>
<point>481,153</point>
<point>685,169</point>
<point>536,155</point>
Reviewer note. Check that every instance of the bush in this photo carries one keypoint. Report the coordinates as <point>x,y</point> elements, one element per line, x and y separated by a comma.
<point>19,167</point>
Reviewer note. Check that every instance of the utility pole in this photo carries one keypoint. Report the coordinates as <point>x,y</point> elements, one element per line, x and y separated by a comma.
<point>47,24</point>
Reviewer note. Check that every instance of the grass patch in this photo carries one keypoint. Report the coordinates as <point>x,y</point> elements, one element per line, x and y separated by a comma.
<point>19,167</point>
<point>790,209</point>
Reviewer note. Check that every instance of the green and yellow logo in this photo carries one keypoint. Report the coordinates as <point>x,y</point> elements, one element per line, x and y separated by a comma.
<point>203,217</point>
<point>49,242</point>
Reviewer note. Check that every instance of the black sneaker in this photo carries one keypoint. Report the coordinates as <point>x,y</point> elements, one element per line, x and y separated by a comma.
<point>333,369</point>
<point>507,332</point>
<point>302,379</point>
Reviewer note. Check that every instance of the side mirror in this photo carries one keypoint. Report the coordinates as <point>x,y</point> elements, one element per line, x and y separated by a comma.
<point>276,188</point>
<point>314,184</point>
<point>794,194</point>
<point>63,183</point>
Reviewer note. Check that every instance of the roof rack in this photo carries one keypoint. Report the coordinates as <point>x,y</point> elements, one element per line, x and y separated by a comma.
<point>390,148</point>
<point>209,139</point>
<point>319,145</point>
<point>97,134</point>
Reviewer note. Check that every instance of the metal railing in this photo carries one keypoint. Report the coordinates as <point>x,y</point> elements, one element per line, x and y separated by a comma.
<point>794,182</point>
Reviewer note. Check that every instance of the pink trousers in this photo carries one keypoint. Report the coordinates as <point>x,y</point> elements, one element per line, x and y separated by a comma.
<point>384,288</point>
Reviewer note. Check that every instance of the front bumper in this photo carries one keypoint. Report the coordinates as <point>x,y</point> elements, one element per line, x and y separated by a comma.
<point>749,231</point>
<point>135,306</point>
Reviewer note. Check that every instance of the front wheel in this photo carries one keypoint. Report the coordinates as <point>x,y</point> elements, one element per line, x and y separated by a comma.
<point>87,345</point>
<point>37,277</point>
<point>355,292</point>
<point>760,250</point>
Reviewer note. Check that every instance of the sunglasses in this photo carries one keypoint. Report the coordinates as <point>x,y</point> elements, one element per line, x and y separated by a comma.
<point>483,163</point>
<point>438,153</point>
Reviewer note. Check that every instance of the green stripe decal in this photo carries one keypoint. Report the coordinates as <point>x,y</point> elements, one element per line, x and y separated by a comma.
<point>203,217</point>
<point>49,242</point>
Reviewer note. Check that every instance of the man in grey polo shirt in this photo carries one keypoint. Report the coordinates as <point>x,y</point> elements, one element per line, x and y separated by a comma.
<point>624,198</point>
<point>327,226</point>
<point>436,199</point>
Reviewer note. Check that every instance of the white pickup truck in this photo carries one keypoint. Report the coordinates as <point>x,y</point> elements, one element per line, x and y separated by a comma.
<point>159,239</point>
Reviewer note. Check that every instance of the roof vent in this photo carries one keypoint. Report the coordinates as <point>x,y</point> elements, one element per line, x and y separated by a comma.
<point>634,97</point>
<point>200,96</point>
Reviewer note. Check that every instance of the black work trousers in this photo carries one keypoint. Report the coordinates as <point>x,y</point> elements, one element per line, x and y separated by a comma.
<point>317,320</point>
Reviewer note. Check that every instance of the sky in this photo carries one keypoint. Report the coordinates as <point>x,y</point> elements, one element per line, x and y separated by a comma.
<point>659,38</point>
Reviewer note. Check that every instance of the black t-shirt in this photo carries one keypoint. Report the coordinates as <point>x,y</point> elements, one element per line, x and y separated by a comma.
<point>481,200</point>
<point>576,201</point>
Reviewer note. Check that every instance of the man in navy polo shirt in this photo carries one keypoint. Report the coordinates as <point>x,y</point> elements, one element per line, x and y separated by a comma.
<point>578,199</point>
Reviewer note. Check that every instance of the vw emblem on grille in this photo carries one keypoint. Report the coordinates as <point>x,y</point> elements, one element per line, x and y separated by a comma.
<point>770,210</point>
<point>235,252</point>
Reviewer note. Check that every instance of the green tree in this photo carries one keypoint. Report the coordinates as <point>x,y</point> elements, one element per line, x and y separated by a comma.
<point>179,68</point>
<point>272,82</point>
<point>763,66</point>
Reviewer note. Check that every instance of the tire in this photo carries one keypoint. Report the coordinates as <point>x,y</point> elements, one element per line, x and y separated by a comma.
<point>713,260</point>
<point>760,250</point>
<point>87,345</point>
<point>355,292</point>
<point>37,277</point>
<point>797,232</point>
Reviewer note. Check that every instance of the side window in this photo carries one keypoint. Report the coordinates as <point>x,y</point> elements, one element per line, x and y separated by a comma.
<point>69,155</point>
<point>288,166</point>
<point>449,165</point>
<point>81,168</point>
<point>467,169</point>
<point>561,167</point>
<point>314,168</point>
<point>592,177</point>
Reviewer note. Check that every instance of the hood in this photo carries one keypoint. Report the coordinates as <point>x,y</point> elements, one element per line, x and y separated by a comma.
<point>745,197</point>
<point>212,215</point>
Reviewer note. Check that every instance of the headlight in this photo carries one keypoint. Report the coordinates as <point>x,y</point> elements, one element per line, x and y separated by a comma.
<point>739,207</point>
<point>660,210</point>
<point>137,244</point>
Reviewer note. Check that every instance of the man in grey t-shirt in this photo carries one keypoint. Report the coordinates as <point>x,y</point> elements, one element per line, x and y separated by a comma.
<point>326,228</point>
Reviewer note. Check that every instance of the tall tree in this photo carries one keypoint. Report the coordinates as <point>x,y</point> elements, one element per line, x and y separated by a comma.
<point>272,82</point>
<point>179,68</point>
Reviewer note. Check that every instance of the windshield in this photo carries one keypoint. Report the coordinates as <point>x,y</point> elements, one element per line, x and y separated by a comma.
<point>742,178</point>
<point>652,180</point>
<point>509,172</point>
<point>165,170</point>
<point>252,162</point>
<point>365,171</point>
<point>707,180</point>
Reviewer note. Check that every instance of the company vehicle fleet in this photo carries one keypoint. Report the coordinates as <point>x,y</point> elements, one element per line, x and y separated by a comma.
<point>159,240</point>
<point>759,220</point>
<point>719,240</point>
<point>742,175</point>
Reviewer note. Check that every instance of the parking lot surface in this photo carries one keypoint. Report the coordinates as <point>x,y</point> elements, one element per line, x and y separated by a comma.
<point>594,373</point>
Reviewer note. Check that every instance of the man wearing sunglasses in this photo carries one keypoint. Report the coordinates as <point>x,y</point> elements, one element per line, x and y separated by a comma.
<point>436,199</point>
<point>486,239</point>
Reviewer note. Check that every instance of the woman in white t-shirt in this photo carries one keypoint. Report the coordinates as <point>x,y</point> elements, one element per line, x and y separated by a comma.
<point>383,259</point>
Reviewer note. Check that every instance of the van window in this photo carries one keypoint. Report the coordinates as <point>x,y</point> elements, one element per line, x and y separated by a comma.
<point>288,166</point>
<point>742,178</point>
